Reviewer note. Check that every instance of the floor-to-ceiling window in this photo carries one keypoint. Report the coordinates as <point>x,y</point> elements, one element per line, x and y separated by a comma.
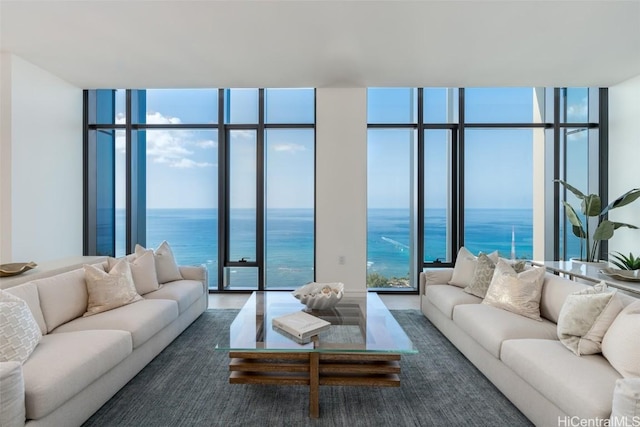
<point>269,189</point>
<point>446,167</point>
<point>226,176</point>
<point>500,126</point>
<point>391,156</point>
<point>579,148</point>
<point>462,161</point>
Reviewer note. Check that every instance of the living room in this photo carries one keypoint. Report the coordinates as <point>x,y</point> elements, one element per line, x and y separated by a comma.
<point>52,51</point>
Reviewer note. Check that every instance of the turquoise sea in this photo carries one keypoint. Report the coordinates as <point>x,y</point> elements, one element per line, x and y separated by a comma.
<point>193,235</point>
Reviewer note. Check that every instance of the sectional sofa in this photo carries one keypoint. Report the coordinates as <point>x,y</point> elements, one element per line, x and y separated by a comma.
<point>523,357</point>
<point>81,362</point>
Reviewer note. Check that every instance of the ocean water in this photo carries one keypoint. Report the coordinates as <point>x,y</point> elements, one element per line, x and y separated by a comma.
<point>289,245</point>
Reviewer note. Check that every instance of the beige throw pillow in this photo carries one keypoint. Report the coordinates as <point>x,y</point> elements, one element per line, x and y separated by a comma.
<point>481,276</point>
<point>143,271</point>
<point>109,290</point>
<point>585,317</point>
<point>518,293</point>
<point>166,267</point>
<point>621,343</point>
<point>465,267</point>
<point>19,331</point>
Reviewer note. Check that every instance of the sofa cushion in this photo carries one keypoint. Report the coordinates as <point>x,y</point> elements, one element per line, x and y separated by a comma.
<point>580,386</point>
<point>621,343</point>
<point>12,412</point>
<point>63,297</point>
<point>555,290</point>
<point>29,293</point>
<point>19,331</point>
<point>585,318</point>
<point>516,292</point>
<point>143,320</point>
<point>184,292</point>
<point>490,326</point>
<point>446,297</point>
<point>107,291</point>
<point>65,364</point>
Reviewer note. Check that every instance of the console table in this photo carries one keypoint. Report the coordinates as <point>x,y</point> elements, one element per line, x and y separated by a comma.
<point>588,272</point>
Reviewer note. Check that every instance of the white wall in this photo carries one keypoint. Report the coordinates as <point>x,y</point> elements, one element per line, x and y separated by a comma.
<point>42,134</point>
<point>624,153</point>
<point>5,157</point>
<point>341,187</point>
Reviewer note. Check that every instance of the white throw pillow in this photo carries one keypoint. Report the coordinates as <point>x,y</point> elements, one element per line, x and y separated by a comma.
<point>19,331</point>
<point>626,402</point>
<point>109,290</point>
<point>166,266</point>
<point>585,317</point>
<point>518,293</point>
<point>465,267</point>
<point>12,408</point>
<point>143,271</point>
<point>621,343</point>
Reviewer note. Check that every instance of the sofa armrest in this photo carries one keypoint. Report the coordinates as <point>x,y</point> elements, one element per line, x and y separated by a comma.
<point>12,408</point>
<point>434,276</point>
<point>195,272</point>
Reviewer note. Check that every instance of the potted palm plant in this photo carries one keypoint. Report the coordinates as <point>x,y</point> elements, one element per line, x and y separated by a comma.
<point>591,207</point>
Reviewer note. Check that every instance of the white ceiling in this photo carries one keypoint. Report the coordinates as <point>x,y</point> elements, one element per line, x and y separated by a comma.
<point>136,43</point>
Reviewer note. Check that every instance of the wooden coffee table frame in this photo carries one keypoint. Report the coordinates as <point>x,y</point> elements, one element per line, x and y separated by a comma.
<point>315,369</point>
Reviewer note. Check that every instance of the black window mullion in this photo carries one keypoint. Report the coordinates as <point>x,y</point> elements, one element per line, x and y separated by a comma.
<point>99,172</point>
<point>223,190</point>
<point>603,155</point>
<point>260,192</point>
<point>136,170</point>
<point>457,199</point>
<point>420,196</point>
<point>556,174</point>
<point>88,171</point>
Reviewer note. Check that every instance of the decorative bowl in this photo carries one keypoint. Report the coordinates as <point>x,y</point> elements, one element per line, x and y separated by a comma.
<point>16,268</point>
<point>320,296</point>
<point>628,275</point>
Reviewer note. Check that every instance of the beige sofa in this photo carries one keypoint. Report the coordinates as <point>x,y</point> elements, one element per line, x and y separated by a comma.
<point>523,357</point>
<point>81,362</point>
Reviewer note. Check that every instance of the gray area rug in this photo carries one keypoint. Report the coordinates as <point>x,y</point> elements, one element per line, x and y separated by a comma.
<point>187,385</point>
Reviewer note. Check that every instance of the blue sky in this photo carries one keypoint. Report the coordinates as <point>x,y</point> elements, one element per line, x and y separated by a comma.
<point>182,165</point>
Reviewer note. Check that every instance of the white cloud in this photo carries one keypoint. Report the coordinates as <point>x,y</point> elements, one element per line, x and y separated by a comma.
<point>188,163</point>
<point>154,118</point>
<point>121,142</point>
<point>289,147</point>
<point>243,134</point>
<point>578,112</point>
<point>207,144</point>
<point>167,146</point>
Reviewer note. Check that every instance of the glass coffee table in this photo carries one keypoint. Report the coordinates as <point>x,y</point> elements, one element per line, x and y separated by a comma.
<point>362,347</point>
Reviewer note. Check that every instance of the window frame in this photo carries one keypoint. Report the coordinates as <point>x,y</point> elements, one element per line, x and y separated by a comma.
<point>135,224</point>
<point>551,122</point>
